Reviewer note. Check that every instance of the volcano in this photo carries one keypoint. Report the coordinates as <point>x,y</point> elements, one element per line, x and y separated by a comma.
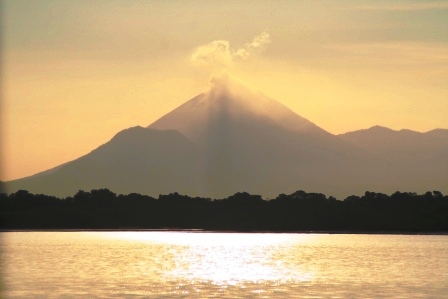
<point>253,143</point>
<point>232,139</point>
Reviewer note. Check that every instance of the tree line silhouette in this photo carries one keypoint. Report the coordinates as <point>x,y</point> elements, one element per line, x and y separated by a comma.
<point>299,211</point>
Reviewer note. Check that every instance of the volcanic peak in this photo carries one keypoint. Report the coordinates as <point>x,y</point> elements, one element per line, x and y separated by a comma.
<point>230,100</point>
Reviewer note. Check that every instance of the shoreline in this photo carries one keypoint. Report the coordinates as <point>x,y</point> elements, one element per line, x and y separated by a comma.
<point>229,231</point>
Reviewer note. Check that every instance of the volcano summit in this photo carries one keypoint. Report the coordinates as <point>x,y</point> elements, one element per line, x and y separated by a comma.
<point>231,139</point>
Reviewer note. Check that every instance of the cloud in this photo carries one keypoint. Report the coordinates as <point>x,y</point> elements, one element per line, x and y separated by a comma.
<point>219,56</point>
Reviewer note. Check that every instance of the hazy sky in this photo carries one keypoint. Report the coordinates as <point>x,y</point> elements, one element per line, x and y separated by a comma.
<point>75,72</point>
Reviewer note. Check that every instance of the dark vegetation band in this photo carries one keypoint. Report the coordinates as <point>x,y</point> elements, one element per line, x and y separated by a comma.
<point>299,211</point>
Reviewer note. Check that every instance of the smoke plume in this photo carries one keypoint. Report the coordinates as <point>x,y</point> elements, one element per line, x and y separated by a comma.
<point>218,56</point>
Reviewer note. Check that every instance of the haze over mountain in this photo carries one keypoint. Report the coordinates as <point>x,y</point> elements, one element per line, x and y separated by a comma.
<point>231,139</point>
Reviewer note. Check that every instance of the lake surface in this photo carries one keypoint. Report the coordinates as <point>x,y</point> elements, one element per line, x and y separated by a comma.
<point>145,264</point>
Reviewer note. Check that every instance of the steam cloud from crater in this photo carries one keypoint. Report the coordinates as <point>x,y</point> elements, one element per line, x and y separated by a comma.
<point>218,56</point>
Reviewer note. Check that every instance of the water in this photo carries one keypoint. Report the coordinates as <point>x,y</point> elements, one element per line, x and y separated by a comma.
<point>222,265</point>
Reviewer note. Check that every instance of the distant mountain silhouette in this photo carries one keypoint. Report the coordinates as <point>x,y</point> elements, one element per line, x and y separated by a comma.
<point>410,159</point>
<point>231,139</point>
<point>134,160</point>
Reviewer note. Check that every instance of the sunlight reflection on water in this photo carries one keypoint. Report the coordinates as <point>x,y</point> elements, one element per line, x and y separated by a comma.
<point>222,265</point>
<point>226,258</point>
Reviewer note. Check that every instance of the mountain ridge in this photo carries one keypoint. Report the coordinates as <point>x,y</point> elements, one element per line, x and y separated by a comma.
<point>231,139</point>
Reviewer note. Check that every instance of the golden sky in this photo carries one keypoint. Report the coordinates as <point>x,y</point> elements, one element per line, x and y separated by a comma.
<point>74,73</point>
